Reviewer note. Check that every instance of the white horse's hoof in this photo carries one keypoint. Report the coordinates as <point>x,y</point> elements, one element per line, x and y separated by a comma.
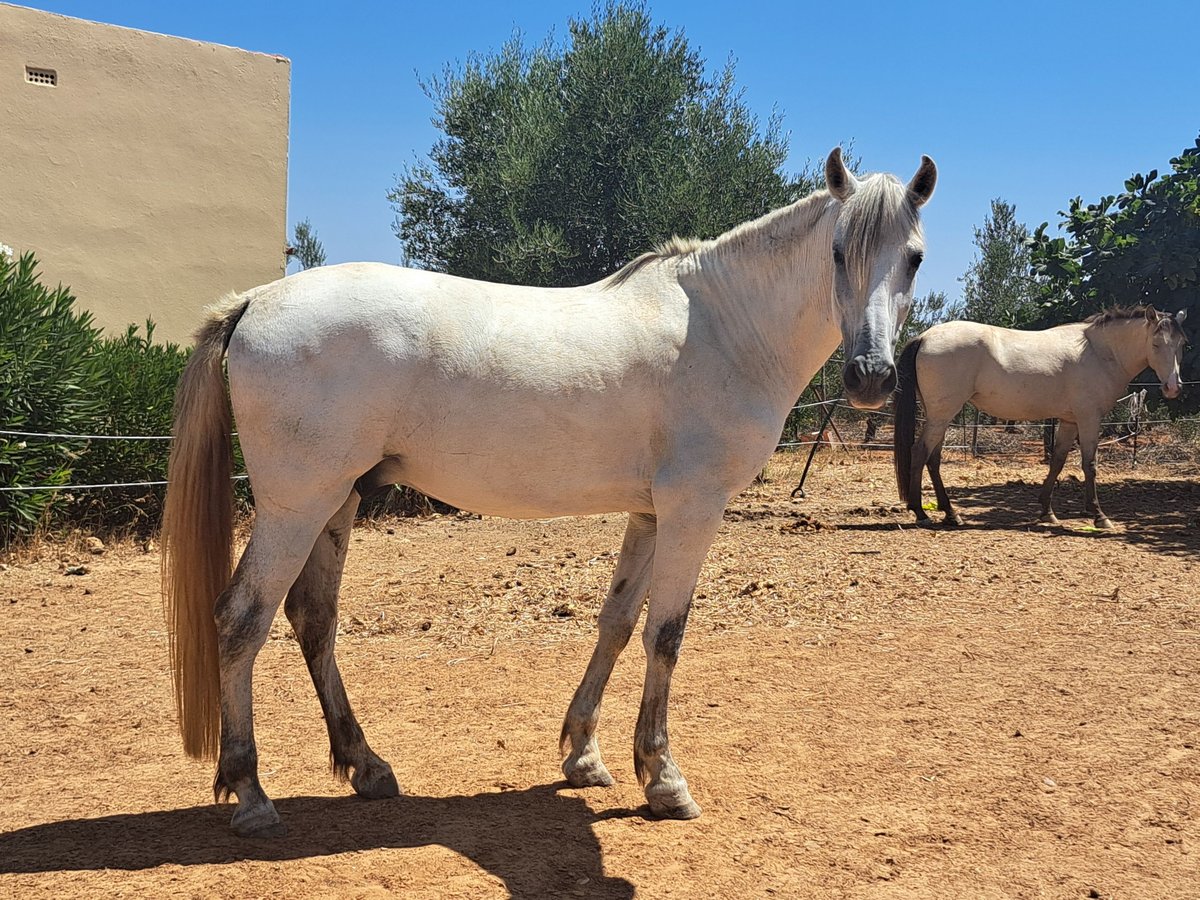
<point>586,772</point>
<point>687,809</point>
<point>1104,523</point>
<point>259,822</point>
<point>671,801</point>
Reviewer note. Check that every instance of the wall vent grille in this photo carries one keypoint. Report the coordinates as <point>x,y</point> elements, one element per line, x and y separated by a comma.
<point>41,76</point>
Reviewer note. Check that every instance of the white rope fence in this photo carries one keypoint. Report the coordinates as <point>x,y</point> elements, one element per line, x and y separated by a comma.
<point>47,435</point>
<point>1134,397</point>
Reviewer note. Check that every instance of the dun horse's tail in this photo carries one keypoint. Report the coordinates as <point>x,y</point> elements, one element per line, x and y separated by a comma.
<point>197,531</point>
<point>905,432</point>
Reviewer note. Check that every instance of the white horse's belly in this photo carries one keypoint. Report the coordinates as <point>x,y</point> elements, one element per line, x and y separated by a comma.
<point>554,491</point>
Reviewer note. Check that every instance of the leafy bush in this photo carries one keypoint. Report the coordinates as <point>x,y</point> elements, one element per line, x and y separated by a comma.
<point>135,382</point>
<point>47,384</point>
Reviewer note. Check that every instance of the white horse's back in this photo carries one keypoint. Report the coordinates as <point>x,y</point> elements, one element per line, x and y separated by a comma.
<point>499,399</point>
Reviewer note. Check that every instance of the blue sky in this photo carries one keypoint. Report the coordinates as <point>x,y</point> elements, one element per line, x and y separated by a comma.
<point>1034,103</point>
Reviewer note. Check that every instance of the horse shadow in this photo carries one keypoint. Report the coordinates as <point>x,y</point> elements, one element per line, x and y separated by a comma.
<point>1163,515</point>
<point>538,841</point>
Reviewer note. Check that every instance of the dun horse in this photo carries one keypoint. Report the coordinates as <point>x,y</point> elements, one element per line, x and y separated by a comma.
<point>1075,373</point>
<point>659,391</point>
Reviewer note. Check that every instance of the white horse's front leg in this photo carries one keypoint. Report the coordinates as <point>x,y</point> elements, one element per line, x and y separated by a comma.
<point>583,766</point>
<point>683,542</point>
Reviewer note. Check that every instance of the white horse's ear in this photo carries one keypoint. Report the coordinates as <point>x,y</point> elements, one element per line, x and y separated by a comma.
<point>838,178</point>
<point>1180,316</point>
<point>920,189</point>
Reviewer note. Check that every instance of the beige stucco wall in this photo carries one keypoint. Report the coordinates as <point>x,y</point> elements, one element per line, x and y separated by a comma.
<point>153,177</point>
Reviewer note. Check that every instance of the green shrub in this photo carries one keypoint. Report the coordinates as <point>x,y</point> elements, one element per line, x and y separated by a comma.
<point>47,384</point>
<point>135,382</point>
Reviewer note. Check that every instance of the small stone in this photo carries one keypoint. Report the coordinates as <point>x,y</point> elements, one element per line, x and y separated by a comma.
<point>511,551</point>
<point>94,545</point>
<point>75,570</point>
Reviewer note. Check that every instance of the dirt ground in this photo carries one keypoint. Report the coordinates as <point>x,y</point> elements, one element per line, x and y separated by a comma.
<point>863,709</point>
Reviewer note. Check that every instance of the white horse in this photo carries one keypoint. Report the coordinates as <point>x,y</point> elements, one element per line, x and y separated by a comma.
<point>660,391</point>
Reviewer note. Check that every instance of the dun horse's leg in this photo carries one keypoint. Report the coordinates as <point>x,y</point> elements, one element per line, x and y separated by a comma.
<point>311,607</point>
<point>583,766</point>
<point>683,540</point>
<point>1089,439</point>
<point>943,499</point>
<point>277,550</point>
<point>931,437</point>
<point>1063,442</point>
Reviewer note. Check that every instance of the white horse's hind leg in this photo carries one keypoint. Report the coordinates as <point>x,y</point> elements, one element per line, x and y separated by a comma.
<point>279,545</point>
<point>311,607</point>
<point>683,541</point>
<point>583,766</point>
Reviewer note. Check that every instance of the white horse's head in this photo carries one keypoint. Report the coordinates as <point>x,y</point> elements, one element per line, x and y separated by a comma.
<point>877,247</point>
<point>1164,350</point>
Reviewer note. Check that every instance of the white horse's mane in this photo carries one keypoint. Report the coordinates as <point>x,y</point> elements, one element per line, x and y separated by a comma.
<point>879,207</point>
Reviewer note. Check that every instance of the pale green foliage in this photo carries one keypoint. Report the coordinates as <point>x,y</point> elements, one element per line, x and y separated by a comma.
<point>998,288</point>
<point>306,246</point>
<point>560,163</point>
<point>931,309</point>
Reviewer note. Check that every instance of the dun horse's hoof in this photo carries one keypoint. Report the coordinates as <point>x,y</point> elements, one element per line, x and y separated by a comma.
<point>1048,519</point>
<point>953,520</point>
<point>1104,523</point>
<point>375,782</point>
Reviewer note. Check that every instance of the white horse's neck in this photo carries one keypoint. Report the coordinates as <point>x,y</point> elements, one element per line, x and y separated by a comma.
<point>1125,341</point>
<point>769,285</point>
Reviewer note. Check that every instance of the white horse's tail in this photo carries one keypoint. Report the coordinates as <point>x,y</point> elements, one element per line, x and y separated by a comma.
<point>197,531</point>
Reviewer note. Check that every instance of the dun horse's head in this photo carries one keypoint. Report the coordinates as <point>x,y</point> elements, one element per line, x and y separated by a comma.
<point>877,248</point>
<point>1165,348</point>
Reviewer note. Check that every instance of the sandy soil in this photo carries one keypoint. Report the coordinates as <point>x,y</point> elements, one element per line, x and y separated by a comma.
<point>863,709</point>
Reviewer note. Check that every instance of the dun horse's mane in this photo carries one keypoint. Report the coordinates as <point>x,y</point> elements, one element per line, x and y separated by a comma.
<point>1125,313</point>
<point>877,204</point>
